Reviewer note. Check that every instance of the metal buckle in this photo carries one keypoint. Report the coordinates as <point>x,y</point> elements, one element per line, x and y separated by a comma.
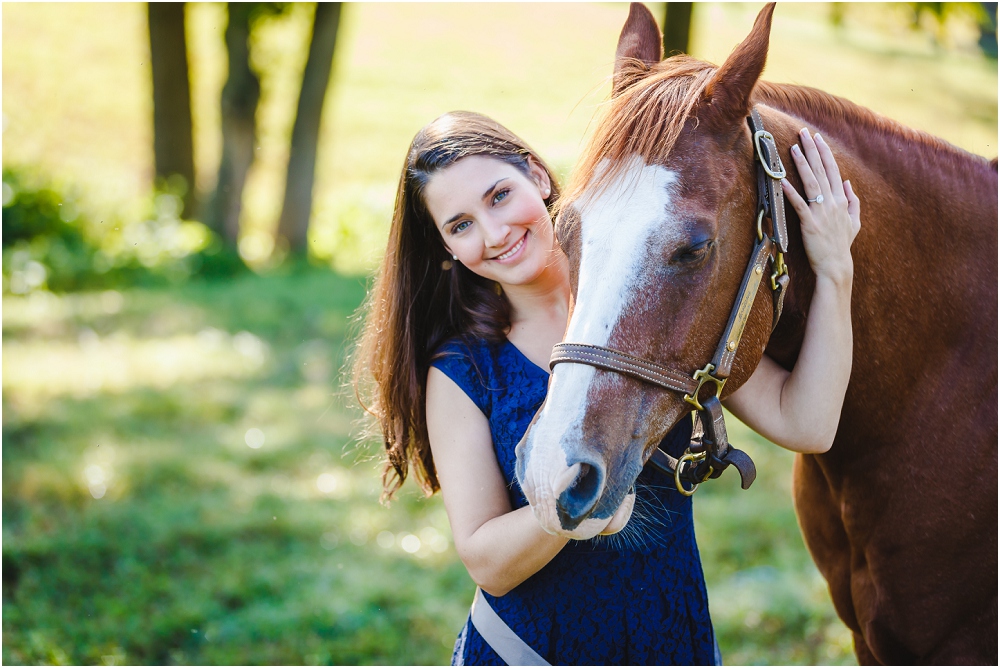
<point>689,457</point>
<point>701,376</point>
<point>760,154</point>
<point>780,269</point>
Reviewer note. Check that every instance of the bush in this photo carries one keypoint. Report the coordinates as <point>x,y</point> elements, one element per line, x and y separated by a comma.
<point>50,243</point>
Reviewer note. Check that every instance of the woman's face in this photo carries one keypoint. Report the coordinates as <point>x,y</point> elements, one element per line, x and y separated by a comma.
<point>492,216</point>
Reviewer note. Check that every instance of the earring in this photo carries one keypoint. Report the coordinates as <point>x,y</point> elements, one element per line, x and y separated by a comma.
<point>455,258</point>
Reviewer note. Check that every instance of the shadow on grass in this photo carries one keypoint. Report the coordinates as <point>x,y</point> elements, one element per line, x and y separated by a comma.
<point>140,524</point>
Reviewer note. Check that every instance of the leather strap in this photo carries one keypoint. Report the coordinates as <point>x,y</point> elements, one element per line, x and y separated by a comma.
<point>614,360</point>
<point>778,299</point>
<point>770,197</point>
<point>720,453</point>
<point>507,644</point>
<point>714,442</point>
<point>771,204</point>
<point>725,353</point>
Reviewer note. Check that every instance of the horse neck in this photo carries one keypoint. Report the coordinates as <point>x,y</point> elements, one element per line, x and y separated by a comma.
<point>925,204</point>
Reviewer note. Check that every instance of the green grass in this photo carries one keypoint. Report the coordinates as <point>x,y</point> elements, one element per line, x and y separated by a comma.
<point>201,549</point>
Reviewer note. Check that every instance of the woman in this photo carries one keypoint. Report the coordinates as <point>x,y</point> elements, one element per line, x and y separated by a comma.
<point>471,297</point>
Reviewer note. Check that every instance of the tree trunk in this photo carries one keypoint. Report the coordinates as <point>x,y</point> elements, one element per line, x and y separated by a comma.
<point>173,146</point>
<point>676,27</point>
<point>293,225</point>
<point>988,31</point>
<point>239,137</point>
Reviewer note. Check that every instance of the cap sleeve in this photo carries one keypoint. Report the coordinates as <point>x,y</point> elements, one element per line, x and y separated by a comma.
<point>467,364</point>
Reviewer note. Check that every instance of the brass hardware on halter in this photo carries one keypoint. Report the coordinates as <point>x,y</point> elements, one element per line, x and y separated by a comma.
<point>701,375</point>
<point>692,458</point>
<point>780,269</point>
<point>760,229</point>
<point>767,168</point>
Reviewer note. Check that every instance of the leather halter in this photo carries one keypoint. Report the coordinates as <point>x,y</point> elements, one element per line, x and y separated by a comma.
<point>710,452</point>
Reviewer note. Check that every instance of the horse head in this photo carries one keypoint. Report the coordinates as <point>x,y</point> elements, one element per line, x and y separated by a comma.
<point>658,224</point>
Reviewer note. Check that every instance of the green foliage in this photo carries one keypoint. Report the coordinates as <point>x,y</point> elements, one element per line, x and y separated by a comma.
<point>50,241</point>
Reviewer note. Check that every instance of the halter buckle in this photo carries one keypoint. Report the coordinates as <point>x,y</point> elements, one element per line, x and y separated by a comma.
<point>764,134</point>
<point>692,458</point>
<point>780,269</point>
<point>701,375</point>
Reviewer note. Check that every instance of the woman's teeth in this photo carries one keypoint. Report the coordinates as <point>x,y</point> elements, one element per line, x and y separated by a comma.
<point>513,250</point>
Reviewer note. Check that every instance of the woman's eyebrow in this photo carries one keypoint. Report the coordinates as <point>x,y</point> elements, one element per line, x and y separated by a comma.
<point>486,194</point>
<point>493,187</point>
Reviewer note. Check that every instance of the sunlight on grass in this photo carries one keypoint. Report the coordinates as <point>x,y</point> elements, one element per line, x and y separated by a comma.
<point>46,369</point>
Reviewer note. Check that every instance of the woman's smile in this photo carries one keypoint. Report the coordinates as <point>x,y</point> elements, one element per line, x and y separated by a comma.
<point>515,250</point>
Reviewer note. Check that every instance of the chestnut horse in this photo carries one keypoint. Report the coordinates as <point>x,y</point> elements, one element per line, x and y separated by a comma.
<point>901,514</point>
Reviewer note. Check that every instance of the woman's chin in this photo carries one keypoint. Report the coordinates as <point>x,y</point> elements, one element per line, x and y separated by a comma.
<point>621,516</point>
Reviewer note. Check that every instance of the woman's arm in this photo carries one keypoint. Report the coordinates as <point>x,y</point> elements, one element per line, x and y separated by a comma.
<point>801,410</point>
<point>500,547</point>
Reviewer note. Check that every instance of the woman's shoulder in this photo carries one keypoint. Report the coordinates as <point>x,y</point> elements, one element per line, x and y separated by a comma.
<point>471,363</point>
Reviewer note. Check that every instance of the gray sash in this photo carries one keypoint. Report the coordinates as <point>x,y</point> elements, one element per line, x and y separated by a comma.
<point>506,643</point>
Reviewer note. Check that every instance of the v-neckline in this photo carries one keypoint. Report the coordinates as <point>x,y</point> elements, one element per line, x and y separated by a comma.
<point>526,358</point>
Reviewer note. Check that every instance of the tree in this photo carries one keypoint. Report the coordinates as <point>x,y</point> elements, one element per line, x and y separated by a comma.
<point>240,96</point>
<point>676,27</point>
<point>173,146</point>
<point>293,225</point>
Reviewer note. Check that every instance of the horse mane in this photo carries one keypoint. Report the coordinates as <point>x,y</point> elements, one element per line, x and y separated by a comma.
<point>827,111</point>
<point>655,102</point>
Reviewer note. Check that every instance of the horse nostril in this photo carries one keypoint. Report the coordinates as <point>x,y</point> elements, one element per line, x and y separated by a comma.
<point>582,494</point>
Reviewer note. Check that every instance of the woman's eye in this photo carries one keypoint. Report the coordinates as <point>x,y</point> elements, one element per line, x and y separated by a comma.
<point>459,226</point>
<point>501,195</point>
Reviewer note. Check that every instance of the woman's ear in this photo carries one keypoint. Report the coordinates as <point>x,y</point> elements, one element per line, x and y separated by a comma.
<point>540,177</point>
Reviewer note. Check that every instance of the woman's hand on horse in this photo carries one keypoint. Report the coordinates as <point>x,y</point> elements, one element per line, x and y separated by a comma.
<point>830,213</point>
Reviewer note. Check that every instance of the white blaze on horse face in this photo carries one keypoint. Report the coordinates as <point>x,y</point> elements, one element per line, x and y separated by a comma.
<point>617,229</point>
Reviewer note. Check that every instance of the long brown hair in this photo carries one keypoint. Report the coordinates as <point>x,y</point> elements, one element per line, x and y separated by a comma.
<point>420,298</point>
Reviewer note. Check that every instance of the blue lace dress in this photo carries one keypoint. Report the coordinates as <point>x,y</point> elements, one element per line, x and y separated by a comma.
<point>635,598</point>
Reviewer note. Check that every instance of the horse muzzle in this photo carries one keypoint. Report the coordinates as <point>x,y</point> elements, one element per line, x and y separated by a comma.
<point>567,486</point>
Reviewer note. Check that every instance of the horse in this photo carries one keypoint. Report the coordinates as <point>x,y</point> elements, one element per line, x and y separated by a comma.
<point>658,221</point>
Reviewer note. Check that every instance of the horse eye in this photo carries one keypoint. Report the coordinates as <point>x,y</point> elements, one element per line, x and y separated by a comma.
<point>694,253</point>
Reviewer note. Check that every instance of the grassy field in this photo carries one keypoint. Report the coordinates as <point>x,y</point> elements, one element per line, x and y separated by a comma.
<point>182,481</point>
<point>139,526</point>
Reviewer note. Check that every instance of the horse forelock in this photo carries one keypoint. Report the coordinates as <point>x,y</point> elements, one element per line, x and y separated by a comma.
<point>644,119</point>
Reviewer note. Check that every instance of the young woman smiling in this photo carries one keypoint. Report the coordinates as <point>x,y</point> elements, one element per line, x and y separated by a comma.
<point>471,296</point>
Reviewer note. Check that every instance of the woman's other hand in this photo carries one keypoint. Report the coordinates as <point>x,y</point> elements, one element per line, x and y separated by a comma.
<point>830,213</point>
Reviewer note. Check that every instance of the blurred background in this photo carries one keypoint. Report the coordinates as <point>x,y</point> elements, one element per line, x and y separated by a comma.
<point>194,198</point>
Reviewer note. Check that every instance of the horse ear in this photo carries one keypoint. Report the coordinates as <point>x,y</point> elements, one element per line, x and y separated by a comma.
<point>640,41</point>
<point>728,93</point>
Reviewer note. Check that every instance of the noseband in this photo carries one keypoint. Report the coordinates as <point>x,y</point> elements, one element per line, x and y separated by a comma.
<point>710,452</point>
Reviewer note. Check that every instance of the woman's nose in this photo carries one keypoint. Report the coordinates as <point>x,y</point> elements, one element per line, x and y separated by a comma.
<point>496,233</point>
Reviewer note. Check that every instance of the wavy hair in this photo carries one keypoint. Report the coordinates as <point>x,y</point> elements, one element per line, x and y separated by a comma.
<point>420,299</point>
